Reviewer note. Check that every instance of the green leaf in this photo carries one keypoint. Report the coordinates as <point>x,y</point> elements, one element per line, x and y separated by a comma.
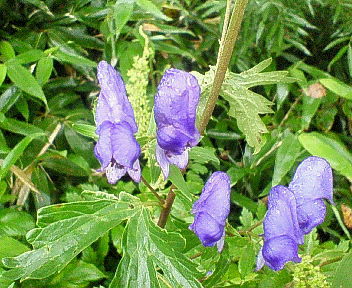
<point>30,56</point>
<point>13,156</point>
<point>349,59</point>
<point>342,277</point>
<point>64,231</point>
<point>122,13</point>
<point>25,80</point>
<point>338,87</point>
<point>15,223</point>
<point>20,127</point>
<point>310,107</point>
<point>74,59</point>
<point>6,50</point>
<point>16,247</point>
<point>319,145</point>
<point>245,105</point>
<point>44,70</point>
<point>285,157</point>
<point>8,98</point>
<point>146,247</point>
<point>41,5</point>
<point>86,130</point>
<point>247,260</point>
<point>64,166</point>
<point>77,274</point>
<point>176,177</point>
<point>3,70</point>
<point>149,7</point>
<point>204,155</point>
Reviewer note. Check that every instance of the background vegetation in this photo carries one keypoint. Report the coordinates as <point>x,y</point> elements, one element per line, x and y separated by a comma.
<point>48,57</point>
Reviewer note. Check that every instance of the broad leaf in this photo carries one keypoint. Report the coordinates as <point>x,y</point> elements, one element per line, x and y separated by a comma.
<point>146,247</point>
<point>332,150</point>
<point>342,276</point>
<point>64,231</point>
<point>15,223</point>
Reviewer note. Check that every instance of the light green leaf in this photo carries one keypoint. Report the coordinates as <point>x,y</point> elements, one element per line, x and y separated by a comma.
<point>8,98</point>
<point>16,247</point>
<point>20,127</point>
<point>247,260</point>
<point>122,13</point>
<point>25,80</point>
<point>86,130</point>
<point>3,70</point>
<point>13,156</point>
<point>203,155</point>
<point>6,50</point>
<point>41,5</point>
<point>146,247</point>
<point>338,87</point>
<point>285,157</point>
<point>149,7</point>
<point>176,177</point>
<point>62,55</point>
<point>310,107</point>
<point>30,56</point>
<point>43,70</point>
<point>64,231</point>
<point>342,277</point>
<point>15,223</point>
<point>349,59</point>
<point>319,145</point>
<point>245,105</point>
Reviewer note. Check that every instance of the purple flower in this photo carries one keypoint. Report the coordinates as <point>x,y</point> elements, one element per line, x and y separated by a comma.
<point>117,149</point>
<point>211,210</point>
<point>175,116</point>
<point>282,234</point>
<point>295,211</point>
<point>311,184</point>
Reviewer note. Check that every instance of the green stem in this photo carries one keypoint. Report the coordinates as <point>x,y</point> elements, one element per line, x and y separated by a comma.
<point>167,207</point>
<point>224,57</point>
<point>338,217</point>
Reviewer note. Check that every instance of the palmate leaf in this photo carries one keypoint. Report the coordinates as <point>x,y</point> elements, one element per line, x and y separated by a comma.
<point>147,247</point>
<point>246,105</point>
<point>65,230</point>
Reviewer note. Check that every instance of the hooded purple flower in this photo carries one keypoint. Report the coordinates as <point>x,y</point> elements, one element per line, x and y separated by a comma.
<point>311,184</point>
<point>282,234</point>
<point>175,116</point>
<point>211,210</point>
<point>117,149</point>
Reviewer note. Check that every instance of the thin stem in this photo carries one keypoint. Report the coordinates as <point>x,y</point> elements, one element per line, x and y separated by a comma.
<point>224,57</point>
<point>250,229</point>
<point>338,217</point>
<point>145,182</point>
<point>167,207</point>
<point>330,261</point>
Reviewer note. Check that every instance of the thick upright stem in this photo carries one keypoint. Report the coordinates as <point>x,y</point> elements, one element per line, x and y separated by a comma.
<point>224,57</point>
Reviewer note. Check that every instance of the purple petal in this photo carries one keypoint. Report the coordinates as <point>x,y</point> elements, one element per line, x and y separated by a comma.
<point>311,214</point>
<point>215,197</point>
<point>113,104</point>
<point>126,149</point>
<point>312,182</point>
<point>162,160</point>
<point>212,209</point>
<point>175,108</point>
<point>102,149</point>
<point>281,218</point>
<point>180,161</point>
<point>135,172</point>
<point>114,173</point>
<point>208,230</point>
<point>279,250</point>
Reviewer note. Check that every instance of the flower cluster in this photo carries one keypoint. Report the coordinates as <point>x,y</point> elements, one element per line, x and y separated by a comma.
<point>211,210</point>
<point>117,149</point>
<point>295,211</point>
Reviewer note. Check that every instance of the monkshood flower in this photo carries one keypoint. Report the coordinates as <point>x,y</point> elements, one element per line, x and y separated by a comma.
<point>304,208</point>
<point>282,234</point>
<point>117,149</point>
<point>211,210</point>
<point>311,184</point>
<point>175,106</point>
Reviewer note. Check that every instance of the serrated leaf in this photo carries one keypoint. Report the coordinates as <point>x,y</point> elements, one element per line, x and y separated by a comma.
<point>122,13</point>
<point>342,277</point>
<point>24,80</point>
<point>146,247</point>
<point>245,105</point>
<point>65,230</point>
